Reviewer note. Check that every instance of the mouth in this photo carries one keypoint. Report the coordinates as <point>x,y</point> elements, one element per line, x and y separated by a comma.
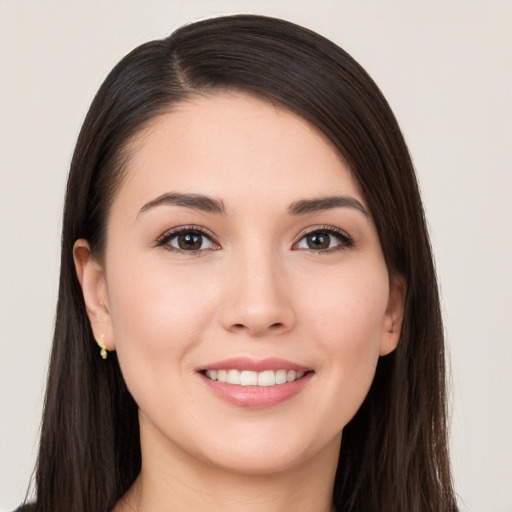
<point>252,378</point>
<point>255,384</point>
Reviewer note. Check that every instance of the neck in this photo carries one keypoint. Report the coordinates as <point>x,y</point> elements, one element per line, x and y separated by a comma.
<point>171,479</point>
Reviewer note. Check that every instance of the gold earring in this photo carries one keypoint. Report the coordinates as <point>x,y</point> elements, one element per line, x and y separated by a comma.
<point>103,351</point>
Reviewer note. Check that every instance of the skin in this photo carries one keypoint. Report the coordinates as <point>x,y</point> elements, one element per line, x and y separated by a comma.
<point>256,290</point>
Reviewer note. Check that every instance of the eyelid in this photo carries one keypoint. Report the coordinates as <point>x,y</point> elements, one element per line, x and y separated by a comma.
<point>346,239</point>
<point>163,239</point>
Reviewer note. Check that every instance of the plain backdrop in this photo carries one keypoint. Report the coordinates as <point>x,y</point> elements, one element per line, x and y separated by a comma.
<point>446,69</point>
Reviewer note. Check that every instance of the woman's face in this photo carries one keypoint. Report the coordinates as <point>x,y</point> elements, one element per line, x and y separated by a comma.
<point>239,248</point>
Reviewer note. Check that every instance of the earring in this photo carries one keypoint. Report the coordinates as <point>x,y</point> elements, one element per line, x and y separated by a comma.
<point>103,351</point>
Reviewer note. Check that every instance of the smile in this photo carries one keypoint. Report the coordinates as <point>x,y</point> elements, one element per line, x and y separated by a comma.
<point>255,384</point>
<point>252,378</point>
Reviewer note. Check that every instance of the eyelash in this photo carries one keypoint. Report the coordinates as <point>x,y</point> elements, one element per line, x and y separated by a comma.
<point>345,240</point>
<point>163,241</point>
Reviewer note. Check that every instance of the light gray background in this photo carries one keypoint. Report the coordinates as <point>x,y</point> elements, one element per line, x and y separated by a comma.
<point>446,69</point>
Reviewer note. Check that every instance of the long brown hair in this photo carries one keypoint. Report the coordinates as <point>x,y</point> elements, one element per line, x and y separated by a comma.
<point>394,452</point>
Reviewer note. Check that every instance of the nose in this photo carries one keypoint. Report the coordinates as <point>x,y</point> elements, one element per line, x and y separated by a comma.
<point>258,298</point>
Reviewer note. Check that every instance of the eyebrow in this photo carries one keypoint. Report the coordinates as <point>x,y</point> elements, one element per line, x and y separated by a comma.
<point>325,203</point>
<point>210,205</point>
<point>194,201</point>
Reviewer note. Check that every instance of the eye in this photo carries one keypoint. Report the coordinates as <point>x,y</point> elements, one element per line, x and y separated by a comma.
<point>186,239</point>
<point>325,239</point>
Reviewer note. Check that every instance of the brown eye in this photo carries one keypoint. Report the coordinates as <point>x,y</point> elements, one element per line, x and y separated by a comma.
<point>187,240</point>
<point>324,240</point>
<point>190,241</point>
<point>318,241</point>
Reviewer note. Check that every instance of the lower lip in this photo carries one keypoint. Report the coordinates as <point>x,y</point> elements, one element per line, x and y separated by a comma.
<point>256,397</point>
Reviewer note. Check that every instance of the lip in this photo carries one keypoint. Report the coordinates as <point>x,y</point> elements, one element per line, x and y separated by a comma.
<point>245,363</point>
<point>256,397</point>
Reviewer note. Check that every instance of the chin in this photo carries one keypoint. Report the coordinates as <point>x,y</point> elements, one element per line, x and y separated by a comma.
<point>262,463</point>
<point>268,454</point>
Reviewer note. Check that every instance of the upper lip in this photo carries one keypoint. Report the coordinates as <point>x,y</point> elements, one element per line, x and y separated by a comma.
<point>255,365</point>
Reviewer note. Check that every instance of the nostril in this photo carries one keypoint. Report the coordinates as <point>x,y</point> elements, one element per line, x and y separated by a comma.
<point>272,327</point>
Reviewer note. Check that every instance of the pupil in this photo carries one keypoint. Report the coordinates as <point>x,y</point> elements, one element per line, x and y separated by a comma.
<point>319,241</point>
<point>190,242</point>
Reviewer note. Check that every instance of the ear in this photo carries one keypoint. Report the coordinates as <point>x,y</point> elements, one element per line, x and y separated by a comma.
<point>94,288</point>
<point>393,317</point>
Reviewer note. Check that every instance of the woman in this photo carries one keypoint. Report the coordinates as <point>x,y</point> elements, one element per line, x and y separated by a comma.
<point>248,314</point>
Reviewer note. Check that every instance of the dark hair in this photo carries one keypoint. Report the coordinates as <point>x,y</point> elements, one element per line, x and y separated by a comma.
<point>394,451</point>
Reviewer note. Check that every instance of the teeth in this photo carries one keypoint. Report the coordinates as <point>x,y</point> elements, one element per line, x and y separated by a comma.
<point>233,377</point>
<point>281,377</point>
<point>266,378</point>
<point>291,376</point>
<point>250,378</point>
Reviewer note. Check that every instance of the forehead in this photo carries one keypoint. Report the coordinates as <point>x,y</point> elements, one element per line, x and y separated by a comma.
<point>235,147</point>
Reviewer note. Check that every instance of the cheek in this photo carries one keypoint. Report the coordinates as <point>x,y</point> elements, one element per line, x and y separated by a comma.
<point>348,319</point>
<point>147,297</point>
<point>349,307</point>
<point>158,315</point>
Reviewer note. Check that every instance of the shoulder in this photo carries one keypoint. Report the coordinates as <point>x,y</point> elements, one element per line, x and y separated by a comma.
<point>26,508</point>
